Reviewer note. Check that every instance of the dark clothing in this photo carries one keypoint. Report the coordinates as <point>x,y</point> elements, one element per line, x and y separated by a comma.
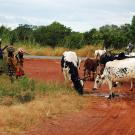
<point>11,70</point>
<point>19,58</point>
<point>1,54</point>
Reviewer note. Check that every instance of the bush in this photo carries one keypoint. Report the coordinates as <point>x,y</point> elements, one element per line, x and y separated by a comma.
<point>22,90</point>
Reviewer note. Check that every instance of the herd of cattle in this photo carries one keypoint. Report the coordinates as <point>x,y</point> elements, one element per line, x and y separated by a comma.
<point>105,67</point>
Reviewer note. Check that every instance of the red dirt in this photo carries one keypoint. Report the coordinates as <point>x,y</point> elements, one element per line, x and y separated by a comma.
<point>100,117</point>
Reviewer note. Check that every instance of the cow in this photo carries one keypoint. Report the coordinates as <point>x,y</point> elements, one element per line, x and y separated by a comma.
<point>90,67</point>
<point>70,65</point>
<point>115,72</point>
<point>108,56</point>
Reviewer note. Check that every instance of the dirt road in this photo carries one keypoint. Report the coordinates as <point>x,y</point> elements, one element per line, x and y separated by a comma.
<point>100,117</point>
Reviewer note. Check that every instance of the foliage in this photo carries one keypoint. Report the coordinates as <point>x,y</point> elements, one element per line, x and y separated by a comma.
<point>21,90</point>
<point>58,35</point>
<point>74,40</point>
<point>51,34</point>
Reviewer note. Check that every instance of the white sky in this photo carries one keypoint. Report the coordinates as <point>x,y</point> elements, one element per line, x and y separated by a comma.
<point>79,15</point>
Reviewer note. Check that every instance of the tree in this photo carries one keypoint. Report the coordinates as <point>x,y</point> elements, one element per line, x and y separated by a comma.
<point>23,33</point>
<point>92,37</point>
<point>5,33</point>
<point>74,40</point>
<point>52,34</point>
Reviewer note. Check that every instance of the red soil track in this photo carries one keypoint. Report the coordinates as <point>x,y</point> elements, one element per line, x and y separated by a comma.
<point>101,117</point>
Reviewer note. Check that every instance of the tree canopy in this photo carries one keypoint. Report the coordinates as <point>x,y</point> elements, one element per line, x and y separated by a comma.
<point>57,34</point>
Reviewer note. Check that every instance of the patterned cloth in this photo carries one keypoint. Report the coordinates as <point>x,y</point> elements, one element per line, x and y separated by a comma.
<point>11,66</point>
<point>11,70</point>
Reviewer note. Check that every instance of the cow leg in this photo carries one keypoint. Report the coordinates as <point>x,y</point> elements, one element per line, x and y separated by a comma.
<point>90,74</point>
<point>98,69</point>
<point>111,94</point>
<point>131,87</point>
<point>84,73</point>
<point>65,76</point>
<point>93,74</point>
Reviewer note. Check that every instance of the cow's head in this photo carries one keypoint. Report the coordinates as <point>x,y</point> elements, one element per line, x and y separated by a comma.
<point>98,81</point>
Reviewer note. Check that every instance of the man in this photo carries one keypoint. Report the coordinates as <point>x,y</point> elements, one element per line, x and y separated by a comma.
<point>130,48</point>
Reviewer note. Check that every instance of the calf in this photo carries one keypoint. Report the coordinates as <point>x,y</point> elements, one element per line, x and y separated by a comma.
<point>117,71</point>
<point>70,65</point>
<point>90,67</point>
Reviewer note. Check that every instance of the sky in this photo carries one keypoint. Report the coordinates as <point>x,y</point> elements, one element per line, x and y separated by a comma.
<point>79,15</point>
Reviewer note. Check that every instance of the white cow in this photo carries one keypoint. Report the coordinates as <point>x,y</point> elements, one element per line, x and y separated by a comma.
<point>117,71</point>
<point>70,64</point>
<point>99,53</point>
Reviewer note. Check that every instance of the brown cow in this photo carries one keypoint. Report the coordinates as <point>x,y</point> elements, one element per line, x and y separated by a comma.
<point>90,68</point>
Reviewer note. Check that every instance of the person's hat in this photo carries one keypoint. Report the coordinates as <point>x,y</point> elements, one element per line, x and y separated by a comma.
<point>20,50</point>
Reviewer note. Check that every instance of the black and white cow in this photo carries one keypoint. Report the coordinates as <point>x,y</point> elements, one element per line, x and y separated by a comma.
<point>70,65</point>
<point>117,71</point>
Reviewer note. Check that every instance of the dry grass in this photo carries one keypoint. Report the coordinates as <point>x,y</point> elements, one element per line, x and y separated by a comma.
<point>18,118</point>
<point>87,50</point>
<point>51,100</point>
<point>46,51</point>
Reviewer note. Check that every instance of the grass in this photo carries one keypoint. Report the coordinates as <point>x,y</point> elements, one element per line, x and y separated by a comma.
<point>46,101</point>
<point>36,49</point>
<point>87,50</point>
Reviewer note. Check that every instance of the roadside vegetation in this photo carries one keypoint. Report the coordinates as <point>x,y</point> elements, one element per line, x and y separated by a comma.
<point>57,35</point>
<point>25,103</point>
<point>87,50</point>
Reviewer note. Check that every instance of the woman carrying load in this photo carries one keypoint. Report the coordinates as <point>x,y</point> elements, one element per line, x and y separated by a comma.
<point>19,63</point>
<point>11,62</point>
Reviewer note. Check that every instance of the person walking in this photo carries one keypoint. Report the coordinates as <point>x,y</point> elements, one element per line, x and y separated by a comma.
<point>11,62</point>
<point>19,63</point>
<point>130,48</point>
<point>1,57</point>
